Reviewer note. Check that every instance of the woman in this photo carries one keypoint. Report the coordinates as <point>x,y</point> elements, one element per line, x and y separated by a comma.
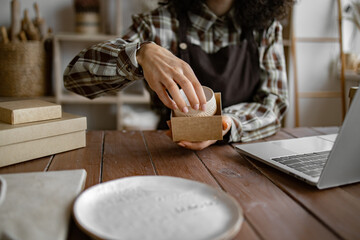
<point>232,46</point>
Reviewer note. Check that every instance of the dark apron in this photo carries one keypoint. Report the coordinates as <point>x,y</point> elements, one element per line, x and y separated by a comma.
<point>233,70</point>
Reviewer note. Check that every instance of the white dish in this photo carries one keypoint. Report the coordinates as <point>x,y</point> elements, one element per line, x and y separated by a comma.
<point>157,207</point>
<point>210,108</point>
<point>2,189</point>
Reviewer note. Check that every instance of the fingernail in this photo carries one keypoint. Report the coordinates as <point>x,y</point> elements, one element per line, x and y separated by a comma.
<point>185,110</point>
<point>174,105</point>
<point>203,107</point>
<point>181,144</point>
<point>196,107</point>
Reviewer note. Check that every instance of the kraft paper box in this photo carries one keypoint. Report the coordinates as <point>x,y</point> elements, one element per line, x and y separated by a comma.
<point>198,128</point>
<point>29,141</point>
<point>25,111</point>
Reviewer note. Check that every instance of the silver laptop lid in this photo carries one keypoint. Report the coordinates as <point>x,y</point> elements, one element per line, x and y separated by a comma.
<point>343,165</point>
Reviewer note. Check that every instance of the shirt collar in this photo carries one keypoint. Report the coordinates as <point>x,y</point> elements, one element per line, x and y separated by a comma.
<point>204,18</point>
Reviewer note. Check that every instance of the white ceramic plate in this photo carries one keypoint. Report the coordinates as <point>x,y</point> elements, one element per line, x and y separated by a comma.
<point>157,207</point>
<point>2,189</point>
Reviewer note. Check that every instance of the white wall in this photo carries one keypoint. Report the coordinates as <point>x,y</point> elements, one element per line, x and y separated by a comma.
<point>317,61</point>
<point>351,31</point>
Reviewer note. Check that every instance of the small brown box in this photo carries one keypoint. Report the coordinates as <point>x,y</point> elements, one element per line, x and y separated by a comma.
<point>26,111</point>
<point>197,129</point>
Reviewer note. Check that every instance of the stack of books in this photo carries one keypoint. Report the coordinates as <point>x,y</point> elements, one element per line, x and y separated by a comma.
<point>31,129</point>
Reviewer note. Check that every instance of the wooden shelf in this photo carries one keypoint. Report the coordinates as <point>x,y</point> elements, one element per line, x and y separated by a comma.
<point>77,99</point>
<point>76,37</point>
<point>317,39</point>
<point>323,94</point>
<point>63,96</point>
<point>352,76</point>
<point>44,98</point>
<point>123,98</point>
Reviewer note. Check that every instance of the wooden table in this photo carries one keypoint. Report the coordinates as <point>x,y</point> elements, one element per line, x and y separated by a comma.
<point>276,206</point>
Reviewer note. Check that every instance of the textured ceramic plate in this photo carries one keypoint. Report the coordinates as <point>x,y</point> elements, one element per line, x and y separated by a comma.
<point>2,189</point>
<point>157,207</point>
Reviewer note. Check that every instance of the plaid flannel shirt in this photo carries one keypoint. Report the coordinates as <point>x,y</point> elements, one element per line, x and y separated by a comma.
<point>109,66</point>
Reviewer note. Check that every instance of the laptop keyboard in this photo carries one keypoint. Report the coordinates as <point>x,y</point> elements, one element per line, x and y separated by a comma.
<point>311,163</point>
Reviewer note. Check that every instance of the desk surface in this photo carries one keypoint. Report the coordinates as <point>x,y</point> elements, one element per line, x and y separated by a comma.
<point>275,205</point>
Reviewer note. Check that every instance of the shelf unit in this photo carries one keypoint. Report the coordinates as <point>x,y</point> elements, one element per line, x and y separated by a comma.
<point>43,98</point>
<point>327,37</point>
<point>62,96</point>
<point>348,78</point>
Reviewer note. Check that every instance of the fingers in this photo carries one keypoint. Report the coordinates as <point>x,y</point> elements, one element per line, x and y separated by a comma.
<point>188,83</point>
<point>174,91</point>
<point>196,86</point>
<point>164,71</point>
<point>226,124</point>
<point>165,98</point>
<point>200,93</point>
<point>190,93</point>
<point>197,146</point>
<point>168,133</point>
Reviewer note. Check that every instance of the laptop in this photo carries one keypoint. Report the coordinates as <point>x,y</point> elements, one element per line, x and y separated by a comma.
<point>323,161</point>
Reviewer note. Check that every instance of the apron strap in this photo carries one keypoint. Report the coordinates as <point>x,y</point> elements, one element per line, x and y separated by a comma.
<point>182,36</point>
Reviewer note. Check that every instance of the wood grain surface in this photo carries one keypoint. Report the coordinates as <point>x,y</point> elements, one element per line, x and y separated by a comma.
<point>276,206</point>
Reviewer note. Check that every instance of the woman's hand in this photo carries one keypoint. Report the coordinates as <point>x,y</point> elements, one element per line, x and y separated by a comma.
<point>226,124</point>
<point>164,71</point>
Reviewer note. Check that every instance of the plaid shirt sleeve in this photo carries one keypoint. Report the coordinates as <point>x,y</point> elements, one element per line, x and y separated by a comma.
<point>261,118</point>
<point>108,66</point>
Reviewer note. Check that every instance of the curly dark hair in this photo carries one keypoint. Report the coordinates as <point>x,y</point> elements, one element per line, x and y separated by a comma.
<point>254,14</point>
